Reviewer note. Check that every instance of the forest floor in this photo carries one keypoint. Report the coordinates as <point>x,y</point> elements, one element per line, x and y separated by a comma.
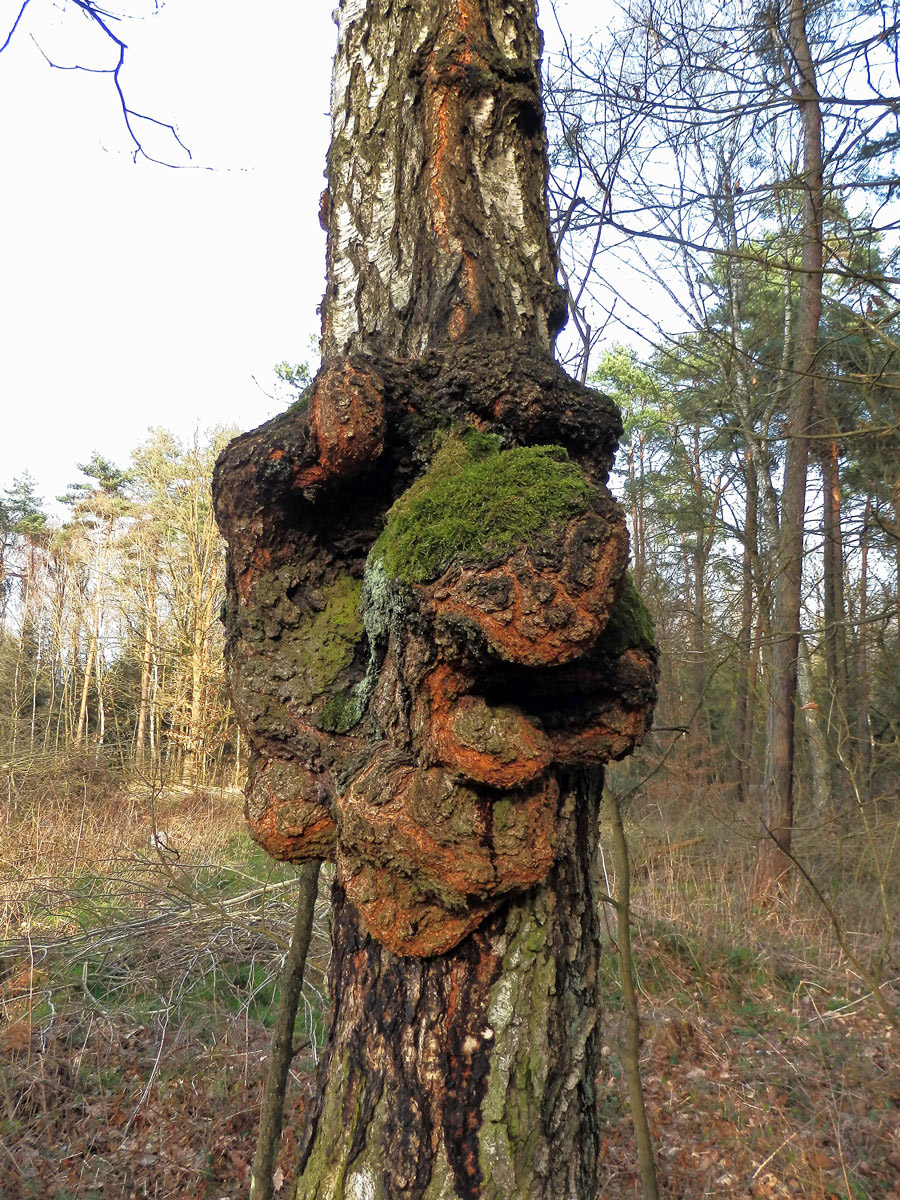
<point>136,995</point>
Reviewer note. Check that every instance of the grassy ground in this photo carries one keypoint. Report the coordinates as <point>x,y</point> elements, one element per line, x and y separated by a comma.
<point>769,1068</point>
<point>136,995</point>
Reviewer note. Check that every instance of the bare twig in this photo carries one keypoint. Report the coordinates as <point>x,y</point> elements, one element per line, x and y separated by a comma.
<point>103,19</point>
<point>282,1051</point>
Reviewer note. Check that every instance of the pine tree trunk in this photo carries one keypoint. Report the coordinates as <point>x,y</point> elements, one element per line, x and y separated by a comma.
<point>745,707</point>
<point>773,851</point>
<point>863,723</point>
<point>834,618</point>
<point>464,1041</point>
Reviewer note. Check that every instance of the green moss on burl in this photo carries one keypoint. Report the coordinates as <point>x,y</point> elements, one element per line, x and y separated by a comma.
<point>326,642</point>
<point>340,714</point>
<point>630,624</point>
<point>477,501</point>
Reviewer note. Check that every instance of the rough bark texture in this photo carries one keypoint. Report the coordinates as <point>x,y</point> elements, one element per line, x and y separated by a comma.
<point>470,1074</point>
<point>435,209</point>
<point>433,643</point>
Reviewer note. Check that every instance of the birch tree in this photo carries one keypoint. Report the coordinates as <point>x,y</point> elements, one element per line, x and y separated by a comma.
<point>433,645</point>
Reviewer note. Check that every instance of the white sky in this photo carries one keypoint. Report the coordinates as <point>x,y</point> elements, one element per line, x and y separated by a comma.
<point>133,295</point>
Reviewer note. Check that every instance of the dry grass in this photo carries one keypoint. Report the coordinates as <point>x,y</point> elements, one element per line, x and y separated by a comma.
<point>62,848</point>
<point>770,1068</point>
<point>136,992</point>
<point>136,997</point>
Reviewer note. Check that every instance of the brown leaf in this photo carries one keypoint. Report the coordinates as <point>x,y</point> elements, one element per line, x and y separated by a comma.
<point>821,1160</point>
<point>17,1036</point>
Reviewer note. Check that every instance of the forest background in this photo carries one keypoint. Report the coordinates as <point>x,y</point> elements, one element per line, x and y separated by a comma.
<point>677,156</point>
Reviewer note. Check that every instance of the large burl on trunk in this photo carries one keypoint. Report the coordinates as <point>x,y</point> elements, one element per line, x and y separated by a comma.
<point>433,642</point>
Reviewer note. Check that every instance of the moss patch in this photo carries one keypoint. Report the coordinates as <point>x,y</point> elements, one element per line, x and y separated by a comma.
<point>630,624</point>
<point>476,502</point>
<point>340,713</point>
<point>329,639</point>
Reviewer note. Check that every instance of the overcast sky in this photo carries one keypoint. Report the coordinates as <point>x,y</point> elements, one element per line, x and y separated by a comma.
<point>135,295</point>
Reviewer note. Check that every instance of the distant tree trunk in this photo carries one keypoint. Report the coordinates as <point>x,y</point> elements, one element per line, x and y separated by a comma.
<point>637,480</point>
<point>85,691</point>
<point>834,618</point>
<point>699,556</point>
<point>820,757</point>
<point>863,724</point>
<point>454,1068</point>
<point>191,765</point>
<point>140,747</point>
<point>101,700</point>
<point>744,706</point>
<point>146,664</point>
<point>773,861</point>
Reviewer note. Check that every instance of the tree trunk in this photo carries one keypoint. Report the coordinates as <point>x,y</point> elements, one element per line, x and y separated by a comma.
<point>443,738</point>
<point>85,691</point>
<point>820,760</point>
<point>745,707</point>
<point>192,761</point>
<point>699,557</point>
<point>863,723</point>
<point>773,852</point>
<point>834,618</point>
<point>470,1074</point>
<point>146,666</point>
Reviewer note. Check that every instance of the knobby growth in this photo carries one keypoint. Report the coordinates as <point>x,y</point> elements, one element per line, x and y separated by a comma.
<point>414,665</point>
<point>433,642</point>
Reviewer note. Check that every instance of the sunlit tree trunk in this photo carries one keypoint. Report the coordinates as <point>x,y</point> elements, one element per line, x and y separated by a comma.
<point>85,690</point>
<point>773,853</point>
<point>471,1071</point>
<point>146,667</point>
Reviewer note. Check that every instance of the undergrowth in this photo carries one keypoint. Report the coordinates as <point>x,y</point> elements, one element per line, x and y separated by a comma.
<point>137,995</point>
